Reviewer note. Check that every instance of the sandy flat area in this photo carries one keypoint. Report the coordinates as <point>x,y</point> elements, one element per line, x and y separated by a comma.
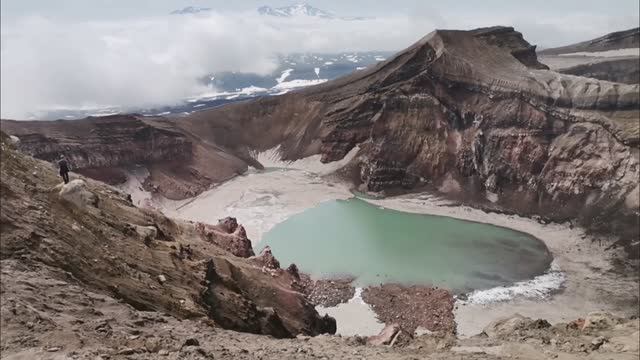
<point>581,282</point>
<point>589,283</point>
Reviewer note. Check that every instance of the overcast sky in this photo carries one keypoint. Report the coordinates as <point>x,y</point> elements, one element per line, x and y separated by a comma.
<point>92,53</point>
<point>118,9</point>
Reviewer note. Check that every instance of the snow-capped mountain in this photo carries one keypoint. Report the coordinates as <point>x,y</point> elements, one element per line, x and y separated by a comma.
<point>300,9</point>
<point>190,10</point>
<point>294,71</point>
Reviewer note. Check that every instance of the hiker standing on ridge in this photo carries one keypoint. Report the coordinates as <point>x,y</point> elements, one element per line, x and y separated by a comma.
<point>64,169</point>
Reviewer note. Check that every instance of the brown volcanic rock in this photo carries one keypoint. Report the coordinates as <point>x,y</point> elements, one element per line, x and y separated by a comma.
<point>100,147</point>
<point>228,235</point>
<point>472,113</point>
<point>97,248</point>
<point>267,260</point>
<point>616,40</point>
<point>412,307</point>
<point>108,141</point>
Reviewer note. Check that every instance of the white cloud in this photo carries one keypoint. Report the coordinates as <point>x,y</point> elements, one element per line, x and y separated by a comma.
<point>158,61</point>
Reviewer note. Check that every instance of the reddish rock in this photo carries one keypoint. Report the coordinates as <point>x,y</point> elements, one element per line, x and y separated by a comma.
<point>325,292</point>
<point>235,241</point>
<point>228,224</point>
<point>267,259</point>
<point>412,306</point>
<point>293,270</point>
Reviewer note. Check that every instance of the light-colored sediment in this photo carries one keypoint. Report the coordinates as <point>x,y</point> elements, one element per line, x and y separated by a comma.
<point>607,53</point>
<point>354,317</point>
<point>262,199</point>
<point>259,200</point>
<point>589,284</point>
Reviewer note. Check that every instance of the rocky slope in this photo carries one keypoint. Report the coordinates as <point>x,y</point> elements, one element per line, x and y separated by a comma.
<point>104,147</point>
<point>624,70</point>
<point>472,114</point>
<point>612,57</point>
<point>86,275</point>
<point>89,235</point>
<point>616,40</point>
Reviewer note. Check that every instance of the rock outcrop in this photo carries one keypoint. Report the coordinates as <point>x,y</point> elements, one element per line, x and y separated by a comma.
<point>613,41</point>
<point>473,114</point>
<point>618,70</point>
<point>228,235</point>
<point>146,261</point>
<point>269,261</point>
<point>77,193</point>
<point>613,57</point>
<point>103,147</point>
<point>80,283</point>
<point>391,335</point>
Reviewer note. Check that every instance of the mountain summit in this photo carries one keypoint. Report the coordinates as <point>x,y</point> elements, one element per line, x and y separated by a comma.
<point>299,9</point>
<point>190,10</point>
<point>473,114</point>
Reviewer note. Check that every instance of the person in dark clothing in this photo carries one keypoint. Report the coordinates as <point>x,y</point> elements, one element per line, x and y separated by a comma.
<point>64,169</point>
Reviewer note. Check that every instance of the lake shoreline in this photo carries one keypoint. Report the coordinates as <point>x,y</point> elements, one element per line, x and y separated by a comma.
<point>262,200</point>
<point>591,283</point>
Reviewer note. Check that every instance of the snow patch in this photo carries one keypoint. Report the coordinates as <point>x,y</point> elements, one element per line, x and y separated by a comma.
<point>272,159</point>
<point>297,83</point>
<point>285,74</point>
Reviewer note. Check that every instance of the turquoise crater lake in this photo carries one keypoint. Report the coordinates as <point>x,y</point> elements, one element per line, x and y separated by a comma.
<point>376,245</point>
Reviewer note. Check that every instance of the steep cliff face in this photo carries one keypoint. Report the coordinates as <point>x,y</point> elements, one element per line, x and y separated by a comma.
<point>612,57</point>
<point>616,40</point>
<point>102,147</point>
<point>102,243</point>
<point>104,142</point>
<point>470,113</point>
<point>618,70</point>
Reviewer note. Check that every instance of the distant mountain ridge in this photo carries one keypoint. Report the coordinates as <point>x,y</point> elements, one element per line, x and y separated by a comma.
<point>303,9</point>
<point>190,10</point>
<point>299,9</point>
<point>612,57</point>
<point>625,39</point>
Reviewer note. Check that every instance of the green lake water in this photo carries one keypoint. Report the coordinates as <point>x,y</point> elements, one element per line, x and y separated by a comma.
<point>375,245</point>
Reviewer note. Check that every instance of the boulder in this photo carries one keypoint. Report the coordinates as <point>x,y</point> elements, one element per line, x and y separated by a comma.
<point>77,193</point>
<point>505,326</point>
<point>235,241</point>
<point>391,335</point>
<point>241,297</point>
<point>293,270</point>
<point>599,320</point>
<point>228,224</point>
<point>147,233</point>
<point>267,259</point>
